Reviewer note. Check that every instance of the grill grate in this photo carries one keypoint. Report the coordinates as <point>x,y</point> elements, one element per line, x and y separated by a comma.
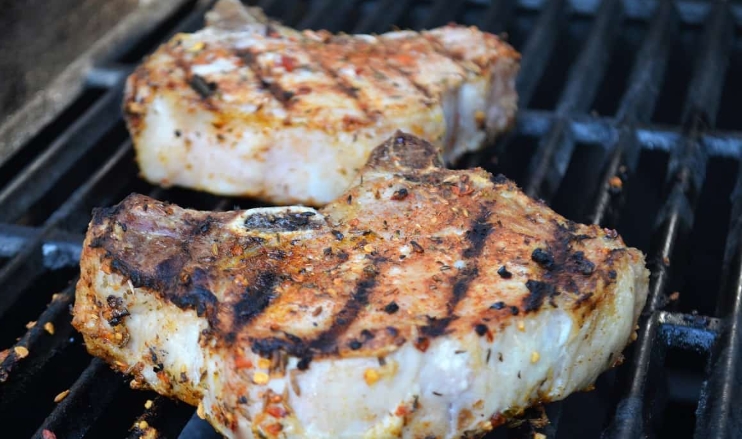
<point>661,72</point>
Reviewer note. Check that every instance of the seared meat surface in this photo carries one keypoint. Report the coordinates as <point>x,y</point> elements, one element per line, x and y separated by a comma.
<point>422,302</point>
<point>246,107</point>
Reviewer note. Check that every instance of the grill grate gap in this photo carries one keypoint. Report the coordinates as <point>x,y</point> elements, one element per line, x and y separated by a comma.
<point>705,255</point>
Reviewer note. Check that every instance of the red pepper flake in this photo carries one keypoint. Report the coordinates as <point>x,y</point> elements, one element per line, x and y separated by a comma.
<point>242,363</point>
<point>46,434</point>
<point>462,189</point>
<point>303,90</point>
<point>276,411</point>
<point>273,429</point>
<point>354,222</point>
<point>404,59</point>
<point>402,410</point>
<point>288,63</point>
<point>422,343</point>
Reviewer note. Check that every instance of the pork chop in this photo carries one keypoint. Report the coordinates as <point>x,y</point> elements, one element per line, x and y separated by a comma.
<point>423,302</point>
<point>247,107</point>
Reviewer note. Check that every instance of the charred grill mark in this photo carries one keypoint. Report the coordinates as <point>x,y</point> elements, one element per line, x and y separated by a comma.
<point>440,49</point>
<point>342,85</point>
<point>274,88</point>
<point>168,280</point>
<point>477,237</point>
<point>407,75</point>
<point>327,341</point>
<point>256,298</point>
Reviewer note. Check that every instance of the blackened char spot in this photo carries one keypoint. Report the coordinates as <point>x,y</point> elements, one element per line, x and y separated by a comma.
<point>203,227</point>
<point>581,264</point>
<point>543,257</point>
<point>538,292</point>
<point>101,214</point>
<point>499,179</point>
<point>118,310</point>
<point>256,298</point>
<point>285,221</point>
<point>198,298</point>
<point>98,242</point>
<point>203,87</point>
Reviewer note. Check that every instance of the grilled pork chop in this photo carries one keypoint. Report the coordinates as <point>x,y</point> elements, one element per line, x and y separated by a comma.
<point>423,302</point>
<point>246,107</point>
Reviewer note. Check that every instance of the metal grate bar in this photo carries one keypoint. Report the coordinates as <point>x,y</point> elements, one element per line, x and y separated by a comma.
<point>61,249</point>
<point>704,91</point>
<point>552,156</point>
<point>719,414</point>
<point>602,130</point>
<point>498,15</point>
<point>60,157</point>
<point>166,417</point>
<point>327,14</point>
<point>36,336</point>
<point>21,270</point>
<point>676,214</point>
<point>692,12</point>
<point>442,12</point>
<point>88,399</point>
<point>538,50</point>
<point>386,14</point>
<point>637,105</point>
<point>630,418</point>
<point>534,58</point>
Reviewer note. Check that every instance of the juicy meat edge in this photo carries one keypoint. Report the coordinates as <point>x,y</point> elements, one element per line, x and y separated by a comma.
<point>231,111</point>
<point>461,383</point>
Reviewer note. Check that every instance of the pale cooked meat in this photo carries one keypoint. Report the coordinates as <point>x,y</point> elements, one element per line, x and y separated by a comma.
<point>423,302</point>
<point>247,107</point>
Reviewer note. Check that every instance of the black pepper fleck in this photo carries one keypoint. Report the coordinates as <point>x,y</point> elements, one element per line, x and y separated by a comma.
<point>417,248</point>
<point>498,305</point>
<point>400,194</point>
<point>481,329</point>
<point>504,273</point>
<point>303,364</point>
<point>339,236</point>
<point>514,310</point>
<point>355,345</point>
<point>391,307</point>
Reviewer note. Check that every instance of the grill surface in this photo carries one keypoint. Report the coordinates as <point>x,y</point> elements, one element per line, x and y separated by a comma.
<point>646,91</point>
